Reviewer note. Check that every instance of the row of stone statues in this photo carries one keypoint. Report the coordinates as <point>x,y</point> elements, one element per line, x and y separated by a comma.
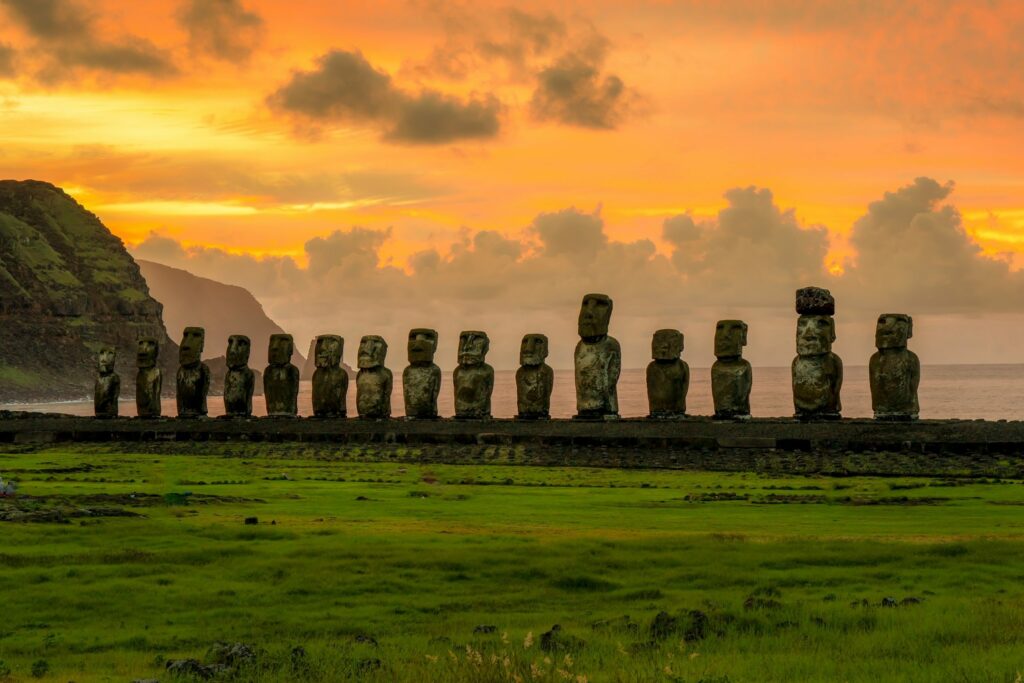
<point>817,373</point>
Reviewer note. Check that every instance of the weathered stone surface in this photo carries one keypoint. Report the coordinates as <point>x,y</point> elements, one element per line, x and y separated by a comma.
<point>330,381</point>
<point>731,375</point>
<point>895,371</point>
<point>281,378</point>
<point>534,379</point>
<point>598,361</point>
<point>815,301</point>
<point>108,384</point>
<point>474,378</point>
<point>149,380</point>
<point>421,380</point>
<point>817,372</point>
<point>240,380</point>
<point>668,376</point>
<point>193,379</point>
<point>374,381</point>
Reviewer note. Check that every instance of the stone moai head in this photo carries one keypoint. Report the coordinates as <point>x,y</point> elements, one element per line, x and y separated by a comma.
<point>373,351</point>
<point>667,345</point>
<point>595,314</point>
<point>239,347</point>
<point>191,349</point>
<point>730,338</point>
<point>893,330</point>
<point>815,301</point>
<point>814,335</point>
<point>422,345</point>
<point>282,346</point>
<point>149,349</point>
<point>105,360</point>
<point>473,347</point>
<point>328,350</point>
<point>533,350</point>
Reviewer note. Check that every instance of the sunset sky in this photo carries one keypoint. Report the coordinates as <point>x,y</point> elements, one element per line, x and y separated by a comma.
<point>375,166</point>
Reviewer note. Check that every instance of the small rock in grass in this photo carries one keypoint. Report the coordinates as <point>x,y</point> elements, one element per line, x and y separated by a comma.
<point>252,521</point>
<point>485,628</point>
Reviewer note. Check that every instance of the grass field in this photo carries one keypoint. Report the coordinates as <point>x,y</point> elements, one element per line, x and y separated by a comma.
<point>397,571</point>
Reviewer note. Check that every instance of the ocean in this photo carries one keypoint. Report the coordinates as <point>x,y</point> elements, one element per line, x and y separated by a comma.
<point>991,392</point>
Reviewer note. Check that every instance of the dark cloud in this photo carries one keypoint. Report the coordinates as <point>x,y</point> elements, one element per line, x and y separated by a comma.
<point>525,36</point>
<point>345,87</point>
<point>7,55</point>
<point>223,29</point>
<point>570,232</point>
<point>575,90</point>
<point>67,40</point>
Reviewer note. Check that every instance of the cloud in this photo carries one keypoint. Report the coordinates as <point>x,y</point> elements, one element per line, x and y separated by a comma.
<point>575,91</point>
<point>222,29</point>
<point>7,56</point>
<point>344,87</point>
<point>67,40</point>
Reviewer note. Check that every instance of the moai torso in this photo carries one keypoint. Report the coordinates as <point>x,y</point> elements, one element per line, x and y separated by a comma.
<point>239,385</point>
<point>667,384</point>
<point>148,385</point>
<point>281,378</point>
<point>108,385</point>
<point>330,381</point>
<point>373,392</point>
<point>240,380</point>
<point>193,385</point>
<point>731,381</point>
<point>533,390</point>
<point>421,380</point>
<point>473,378</point>
<point>598,365</point>
<point>817,381</point>
<point>421,384</point>
<point>149,380</point>
<point>894,371</point>
<point>731,375</point>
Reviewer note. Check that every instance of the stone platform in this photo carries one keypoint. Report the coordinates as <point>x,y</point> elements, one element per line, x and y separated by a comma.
<point>698,433</point>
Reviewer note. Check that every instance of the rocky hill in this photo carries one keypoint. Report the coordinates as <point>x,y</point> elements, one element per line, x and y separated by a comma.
<point>67,287</point>
<point>221,309</point>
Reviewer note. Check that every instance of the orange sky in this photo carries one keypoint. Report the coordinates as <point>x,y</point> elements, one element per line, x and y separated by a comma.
<point>828,104</point>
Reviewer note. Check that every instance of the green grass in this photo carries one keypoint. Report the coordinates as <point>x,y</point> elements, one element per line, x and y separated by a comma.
<point>382,571</point>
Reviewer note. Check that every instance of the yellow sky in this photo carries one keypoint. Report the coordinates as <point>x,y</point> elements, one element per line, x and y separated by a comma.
<point>828,104</point>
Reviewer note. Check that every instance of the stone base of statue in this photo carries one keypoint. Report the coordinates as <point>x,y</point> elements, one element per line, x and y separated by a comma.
<point>895,417</point>
<point>662,415</point>
<point>533,416</point>
<point>731,415</point>
<point>595,416</point>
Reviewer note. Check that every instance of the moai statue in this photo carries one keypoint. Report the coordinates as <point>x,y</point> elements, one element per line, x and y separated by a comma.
<point>731,375</point>
<point>193,375</point>
<point>817,372</point>
<point>281,378</point>
<point>894,370</point>
<point>474,378</point>
<point>374,381</point>
<point>534,379</point>
<point>330,381</point>
<point>108,384</point>
<point>240,380</point>
<point>598,361</point>
<point>668,376</point>
<point>421,380</point>
<point>149,380</point>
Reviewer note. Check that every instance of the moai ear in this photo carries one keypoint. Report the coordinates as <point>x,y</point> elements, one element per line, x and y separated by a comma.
<point>910,327</point>
<point>743,337</point>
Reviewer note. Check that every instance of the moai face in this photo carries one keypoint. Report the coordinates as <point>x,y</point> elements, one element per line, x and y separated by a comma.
<point>239,347</point>
<point>191,349</point>
<point>667,345</point>
<point>814,335</point>
<point>730,338</point>
<point>149,349</point>
<point>533,350</point>
<point>473,347</point>
<point>595,314</point>
<point>373,350</point>
<point>422,345</point>
<point>105,360</point>
<point>893,331</point>
<point>282,346</point>
<point>328,350</point>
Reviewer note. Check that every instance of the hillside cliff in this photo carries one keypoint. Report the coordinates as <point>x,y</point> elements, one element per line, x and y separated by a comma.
<point>67,287</point>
